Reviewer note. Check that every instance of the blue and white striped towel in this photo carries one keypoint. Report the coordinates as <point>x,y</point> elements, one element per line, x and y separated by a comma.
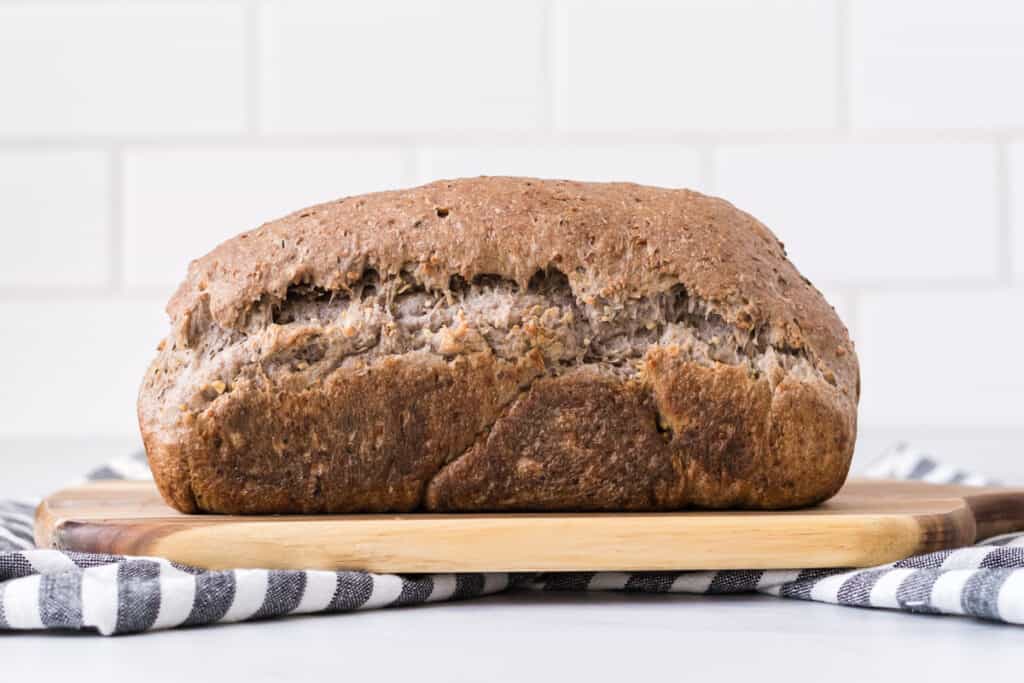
<point>50,589</point>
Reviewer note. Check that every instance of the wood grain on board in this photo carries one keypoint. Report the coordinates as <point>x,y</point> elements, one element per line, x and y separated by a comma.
<point>867,523</point>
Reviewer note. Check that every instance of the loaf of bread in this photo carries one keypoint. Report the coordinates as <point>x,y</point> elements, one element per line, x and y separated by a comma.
<point>501,344</point>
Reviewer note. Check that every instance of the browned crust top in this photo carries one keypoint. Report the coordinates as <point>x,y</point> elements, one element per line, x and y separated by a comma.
<point>612,240</point>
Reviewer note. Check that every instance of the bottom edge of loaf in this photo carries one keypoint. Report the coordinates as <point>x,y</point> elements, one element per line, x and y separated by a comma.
<point>477,437</point>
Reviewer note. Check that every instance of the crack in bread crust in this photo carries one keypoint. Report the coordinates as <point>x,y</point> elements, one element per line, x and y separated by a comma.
<point>313,333</point>
<point>481,436</point>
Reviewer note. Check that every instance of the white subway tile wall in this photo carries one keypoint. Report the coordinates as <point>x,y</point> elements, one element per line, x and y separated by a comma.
<point>936,64</point>
<point>121,70</point>
<point>941,359</point>
<point>862,214</point>
<point>56,213</point>
<point>180,202</point>
<point>715,64</point>
<point>882,141</point>
<point>402,65</point>
<point>74,364</point>
<point>1016,208</point>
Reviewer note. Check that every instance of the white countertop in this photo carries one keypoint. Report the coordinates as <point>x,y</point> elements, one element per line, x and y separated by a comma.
<point>535,637</point>
<point>522,636</point>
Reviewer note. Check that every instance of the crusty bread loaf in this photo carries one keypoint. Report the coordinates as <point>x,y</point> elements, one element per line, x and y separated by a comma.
<point>501,344</point>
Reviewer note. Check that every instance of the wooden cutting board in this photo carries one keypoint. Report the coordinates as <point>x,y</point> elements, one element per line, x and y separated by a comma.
<point>867,523</point>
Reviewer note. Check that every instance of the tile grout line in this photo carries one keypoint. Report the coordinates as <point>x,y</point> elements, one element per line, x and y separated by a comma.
<point>561,137</point>
<point>411,166</point>
<point>253,24</point>
<point>547,119</point>
<point>82,293</point>
<point>1004,244</point>
<point>116,208</point>
<point>142,2</point>
<point>706,164</point>
<point>552,42</point>
<point>842,36</point>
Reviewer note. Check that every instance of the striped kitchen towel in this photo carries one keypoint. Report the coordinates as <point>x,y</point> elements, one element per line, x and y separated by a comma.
<point>50,589</point>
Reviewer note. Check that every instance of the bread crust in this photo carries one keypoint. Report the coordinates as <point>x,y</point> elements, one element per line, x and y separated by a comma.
<point>244,413</point>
